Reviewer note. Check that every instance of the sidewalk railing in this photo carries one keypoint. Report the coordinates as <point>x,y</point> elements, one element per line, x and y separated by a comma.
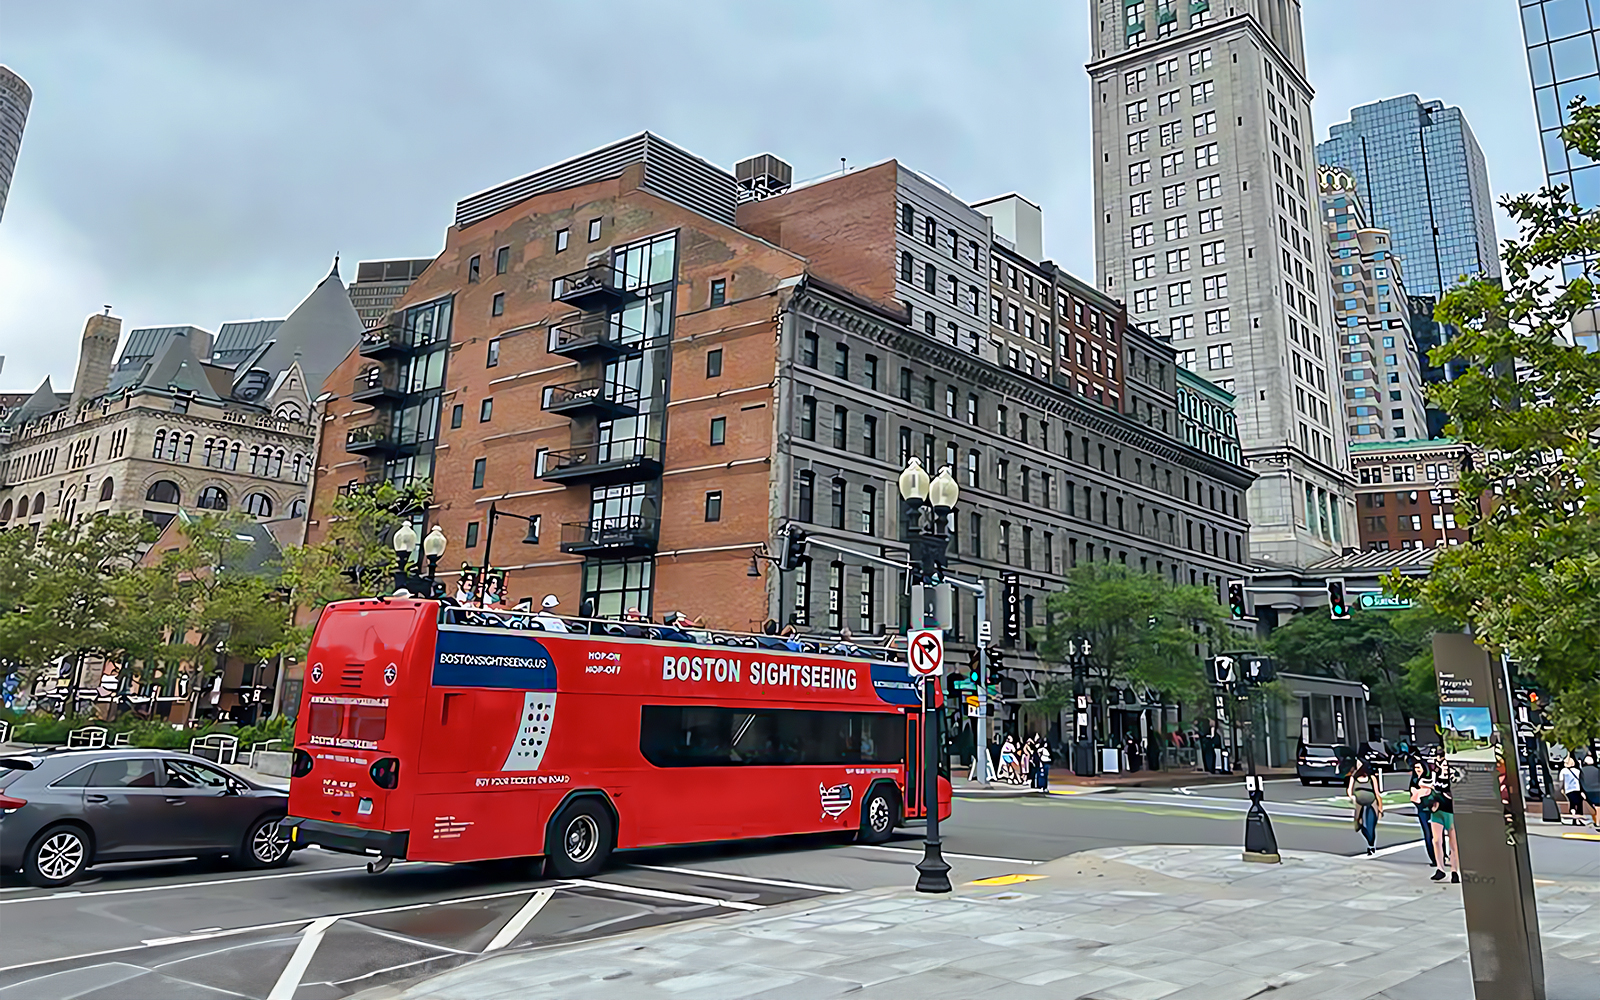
<point>220,747</point>
<point>87,738</point>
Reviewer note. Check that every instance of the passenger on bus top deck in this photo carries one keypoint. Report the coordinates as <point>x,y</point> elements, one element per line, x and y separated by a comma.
<point>546,617</point>
<point>846,645</point>
<point>464,590</point>
<point>633,615</point>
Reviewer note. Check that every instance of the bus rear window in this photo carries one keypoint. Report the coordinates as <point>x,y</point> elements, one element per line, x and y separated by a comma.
<point>368,722</point>
<point>706,736</point>
<point>324,719</point>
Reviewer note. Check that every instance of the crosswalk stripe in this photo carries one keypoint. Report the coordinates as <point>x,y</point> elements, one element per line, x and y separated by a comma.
<point>519,920</point>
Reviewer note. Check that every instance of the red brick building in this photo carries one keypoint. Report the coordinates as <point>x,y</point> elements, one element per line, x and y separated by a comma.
<point>1407,494</point>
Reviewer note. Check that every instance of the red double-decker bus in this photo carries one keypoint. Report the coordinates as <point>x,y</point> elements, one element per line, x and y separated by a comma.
<point>436,733</point>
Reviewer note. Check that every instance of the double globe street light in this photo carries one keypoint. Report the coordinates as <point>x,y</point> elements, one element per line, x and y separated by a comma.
<point>405,544</point>
<point>927,564</point>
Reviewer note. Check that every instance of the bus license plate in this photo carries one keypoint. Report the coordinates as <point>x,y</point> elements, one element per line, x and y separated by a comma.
<point>364,807</point>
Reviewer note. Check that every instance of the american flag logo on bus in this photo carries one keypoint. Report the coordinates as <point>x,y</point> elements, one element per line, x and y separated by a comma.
<point>835,800</point>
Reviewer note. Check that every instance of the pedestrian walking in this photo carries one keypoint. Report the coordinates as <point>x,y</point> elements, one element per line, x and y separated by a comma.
<point>1044,758</point>
<point>1589,783</point>
<point>1008,762</point>
<point>1572,787</point>
<point>1366,793</point>
<point>1443,820</point>
<point>1419,794</point>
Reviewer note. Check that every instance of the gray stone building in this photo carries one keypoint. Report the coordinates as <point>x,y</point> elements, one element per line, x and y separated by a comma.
<point>170,426</point>
<point>379,285</point>
<point>1206,193</point>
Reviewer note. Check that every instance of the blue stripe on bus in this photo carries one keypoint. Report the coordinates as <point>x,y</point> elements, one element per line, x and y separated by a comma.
<point>894,684</point>
<point>484,659</point>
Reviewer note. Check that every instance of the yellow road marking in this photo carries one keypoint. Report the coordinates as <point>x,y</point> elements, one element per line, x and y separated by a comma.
<point>1007,879</point>
<point>1581,836</point>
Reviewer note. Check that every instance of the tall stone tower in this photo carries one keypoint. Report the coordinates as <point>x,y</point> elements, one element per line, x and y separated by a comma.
<point>1206,225</point>
<point>96,354</point>
<point>15,97</point>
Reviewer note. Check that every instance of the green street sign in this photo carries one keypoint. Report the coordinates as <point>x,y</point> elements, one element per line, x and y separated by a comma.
<point>964,685</point>
<point>1384,602</point>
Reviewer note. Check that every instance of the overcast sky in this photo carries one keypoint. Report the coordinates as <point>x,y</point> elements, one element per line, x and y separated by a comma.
<point>199,162</point>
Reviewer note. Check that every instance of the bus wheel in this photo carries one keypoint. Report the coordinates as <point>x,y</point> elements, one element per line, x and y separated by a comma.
<point>578,841</point>
<point>877,816</point>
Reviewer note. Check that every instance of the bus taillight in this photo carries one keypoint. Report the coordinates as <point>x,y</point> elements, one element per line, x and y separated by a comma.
<point>385,772</point>
<point>301,765</point>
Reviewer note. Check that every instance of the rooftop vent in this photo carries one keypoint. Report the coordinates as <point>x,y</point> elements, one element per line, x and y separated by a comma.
<point>762,177</point>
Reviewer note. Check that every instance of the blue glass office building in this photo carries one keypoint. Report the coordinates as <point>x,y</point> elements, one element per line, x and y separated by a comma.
<point>1422,176</point>
<point>1561,62</point>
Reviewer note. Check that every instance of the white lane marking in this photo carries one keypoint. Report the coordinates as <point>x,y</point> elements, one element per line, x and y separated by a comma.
<point>201,883</point>
<point>310,940</point>
<point>519,920</point>
<point>780,883</point>
<point>682,897</point>
<point>1394,849</point>
<point>948,854</point>
<point>1240,806</point>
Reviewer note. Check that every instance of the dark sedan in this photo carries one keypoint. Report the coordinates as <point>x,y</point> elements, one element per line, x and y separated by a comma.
<point>62,811</point>
<point>1324,763</point>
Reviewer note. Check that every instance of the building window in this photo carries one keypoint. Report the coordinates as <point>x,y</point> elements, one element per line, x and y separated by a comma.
<point>594,230</point>
<point>719,430</point>
<point>1216,287</point>
<point>493,359</point>
<point>841,424</point>
<point>719,292</point>
<point>478,468</point>
<point>837,504</point>
<point>502,260</point>
<point>1205,124</point>
<point>210,498</point>
<point>869,510</point>
<point>869,599</point>
<point>1219,356</point>
<point>841,360</point>
<point>561,240</point>
<point>808,488</point>
<point>836,595</point>
<point>808,350</point>
<point>905,384</point>
<point>485,410</point>
<point>473,267</point>
<point>472,534</point>
<point>714,363</point>
<point>615,585</point>
<point>714,505</point>
<point>498,306</point>
<point>455,416</point>
<point>869,436</point>
<point>258,505</point>
<point>907,218</point>
<point>808,418</point>
<point>908,266</point>
<point>905,445</point>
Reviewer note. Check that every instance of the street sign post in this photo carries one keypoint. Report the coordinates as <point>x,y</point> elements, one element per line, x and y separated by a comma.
<point>1384,602</point>
<point>926,651</point>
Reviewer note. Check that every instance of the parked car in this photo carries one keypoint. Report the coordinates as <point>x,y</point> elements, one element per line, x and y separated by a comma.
<point>1380,756</point>
<point>63,811</point>
<point>1324,762</point>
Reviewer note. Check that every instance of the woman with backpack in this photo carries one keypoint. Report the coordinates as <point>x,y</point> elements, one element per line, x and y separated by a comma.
<point>1366,793</point>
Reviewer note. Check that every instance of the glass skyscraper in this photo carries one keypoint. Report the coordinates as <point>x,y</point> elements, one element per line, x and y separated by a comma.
<point>1560,35</point>
<point>1421,175</point>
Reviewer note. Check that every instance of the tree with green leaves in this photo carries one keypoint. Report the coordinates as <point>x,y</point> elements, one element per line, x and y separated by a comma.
<point>1391,652</point>
<point>64,595</point>
<point>1529,401</point>
<point>1141,628</point>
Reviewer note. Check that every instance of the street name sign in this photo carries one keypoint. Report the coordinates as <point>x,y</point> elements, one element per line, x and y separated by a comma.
<point>1384,602</point>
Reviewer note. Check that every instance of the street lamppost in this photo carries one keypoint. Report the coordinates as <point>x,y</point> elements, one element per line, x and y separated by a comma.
<point>926,565</point>
<point>405,543</point>
<point>433,547</point>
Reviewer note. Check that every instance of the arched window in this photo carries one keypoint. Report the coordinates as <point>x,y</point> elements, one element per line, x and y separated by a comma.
<point>297,507</point>
<point>297,468</point>
<point>211,446</point>
<point>161,442</point>
<point>38,504</point>
<point>106,489</point>
<point>258,504</point>
<point>163,491</point>
<point>233,458</point>
<point>288,411</point>
<point>188,448</point>
<point>5,512</point>
<point>213,498</point>
<point>172,446</point>
<point>255,461</point>
<point>275,465</point>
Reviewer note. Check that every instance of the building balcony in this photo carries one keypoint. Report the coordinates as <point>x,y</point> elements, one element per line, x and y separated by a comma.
<point>376,386</point>
<point>605,463</point>
<point>593,337</point>
<point>592,397</point>
<point>626,535</point>
<point>371,439</point>
<point>592,289</point>
<point>391,340</point>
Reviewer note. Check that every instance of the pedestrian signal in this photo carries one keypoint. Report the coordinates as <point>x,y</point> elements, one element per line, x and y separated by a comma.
<point>1224,671</point>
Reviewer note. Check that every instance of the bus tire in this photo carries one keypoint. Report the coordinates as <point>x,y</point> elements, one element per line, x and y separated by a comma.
<point>578,841</point>
<point>879,811</point>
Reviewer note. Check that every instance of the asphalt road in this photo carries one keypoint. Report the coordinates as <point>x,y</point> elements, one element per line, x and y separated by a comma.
<point>324,928</point>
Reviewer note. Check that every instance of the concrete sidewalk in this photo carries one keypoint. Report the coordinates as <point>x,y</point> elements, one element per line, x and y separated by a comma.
<point>1139,923</point>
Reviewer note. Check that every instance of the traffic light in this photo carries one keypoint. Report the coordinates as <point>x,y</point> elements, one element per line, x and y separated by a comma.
<point>975,663</point>
<point>1259,669</point>
<point>1338,607</point>
<point>1224,671</point>
<point>794,548</point>
<point>1008,687</point>
<point>1236,600</point>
